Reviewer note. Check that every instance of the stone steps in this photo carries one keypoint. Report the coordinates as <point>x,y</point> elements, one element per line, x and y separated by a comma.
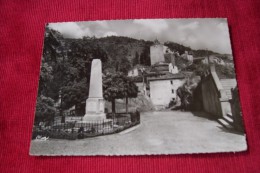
<point>230,115</point>
<point>226,121</point>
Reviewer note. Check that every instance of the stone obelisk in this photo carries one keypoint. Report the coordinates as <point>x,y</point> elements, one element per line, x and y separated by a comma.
<point>95,103</point>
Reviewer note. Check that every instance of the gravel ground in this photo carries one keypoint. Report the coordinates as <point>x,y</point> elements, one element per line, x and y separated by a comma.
<point>159,133</point>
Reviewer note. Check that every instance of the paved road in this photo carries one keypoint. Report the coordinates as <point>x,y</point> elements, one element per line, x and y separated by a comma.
<point>159,133</point>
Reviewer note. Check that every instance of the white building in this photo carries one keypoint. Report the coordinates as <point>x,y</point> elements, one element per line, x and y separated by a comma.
<point>156,52</point>
<point>141,87</point>
<point>173,69</point>
<point>136,71</point>
<point>187,56</point>
<point>163,89</point>
<point>133,72</point>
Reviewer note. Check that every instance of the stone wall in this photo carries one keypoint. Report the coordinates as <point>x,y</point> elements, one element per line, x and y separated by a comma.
<point>210,97</point>
<point>214,99</point>
<point>236,111</point>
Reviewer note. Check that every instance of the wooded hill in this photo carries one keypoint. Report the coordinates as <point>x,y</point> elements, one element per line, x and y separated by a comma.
<point>66,63</point>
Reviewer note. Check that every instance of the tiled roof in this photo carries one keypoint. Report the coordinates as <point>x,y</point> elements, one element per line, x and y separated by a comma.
<point>137,79</point>
<point>160,67</point>
<point>227,84</point>
<point>167,76</point>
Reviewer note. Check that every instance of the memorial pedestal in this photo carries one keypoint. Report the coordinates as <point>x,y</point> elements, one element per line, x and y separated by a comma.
<point>94,110</point>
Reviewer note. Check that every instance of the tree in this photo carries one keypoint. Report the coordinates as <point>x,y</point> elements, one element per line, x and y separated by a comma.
<point>185,92</point>
<point>74,93</point>
<point>46,76</point>
<point>51,45</point>
<point>131,90</point>
<point>118,86</point>
<point>135,60</point>
<point>177,47</point>
<point>145,56</point>
<point>45,110</point>
<point>123,65</point>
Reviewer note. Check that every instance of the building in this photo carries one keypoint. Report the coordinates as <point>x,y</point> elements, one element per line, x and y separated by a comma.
<point>136,71</point>
<point>133,72</point>
<point>188,56</point>
<point>163,89</point>
<point>137,75</point>
<point>156,52</point>
<point>139,82</point>
<point>173,69</point>
<point>161,80</point>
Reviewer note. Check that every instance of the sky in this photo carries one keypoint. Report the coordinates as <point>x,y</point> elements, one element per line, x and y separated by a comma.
<point>212,34</point>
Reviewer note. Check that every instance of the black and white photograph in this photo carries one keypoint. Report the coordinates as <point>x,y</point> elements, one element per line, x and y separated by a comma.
<point>137,87</point>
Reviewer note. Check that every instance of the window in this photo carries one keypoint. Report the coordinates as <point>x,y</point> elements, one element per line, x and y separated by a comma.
<point>172,90</point>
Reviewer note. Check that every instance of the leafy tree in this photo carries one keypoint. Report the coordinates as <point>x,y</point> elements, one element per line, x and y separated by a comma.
<point>131,90</point>
<point>75,93</point>
<point>118,86</point>
<point>177,47</point>
<point>135,60</point>
<point>45,110</point>
<point>203,53</point>
<point>197,68</point>
<point>51,45</point>
<point>145,56</point>
<point>45,77</point>
<point>225,71</point>
<point>186,92</point>
<point>123,65</point>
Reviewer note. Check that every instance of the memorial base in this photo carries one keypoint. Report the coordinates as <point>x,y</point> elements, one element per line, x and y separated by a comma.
<point>100,124</point>
<point>94,117</point>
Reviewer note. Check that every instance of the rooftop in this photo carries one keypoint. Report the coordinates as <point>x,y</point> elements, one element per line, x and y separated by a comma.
<point>167,76</point>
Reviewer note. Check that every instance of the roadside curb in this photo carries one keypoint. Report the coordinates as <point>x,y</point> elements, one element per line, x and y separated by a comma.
<point>129,130</point>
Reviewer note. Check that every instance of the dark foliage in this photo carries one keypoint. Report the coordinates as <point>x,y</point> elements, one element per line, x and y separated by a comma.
<point>45,110</point>
<point>145,55</point>
<point>177,47</point>
<point>118,86</point>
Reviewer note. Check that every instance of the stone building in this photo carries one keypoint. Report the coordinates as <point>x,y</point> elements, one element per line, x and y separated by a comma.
<point>156,52</point>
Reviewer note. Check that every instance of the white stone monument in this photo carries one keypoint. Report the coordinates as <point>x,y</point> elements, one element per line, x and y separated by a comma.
<point>95,103</point>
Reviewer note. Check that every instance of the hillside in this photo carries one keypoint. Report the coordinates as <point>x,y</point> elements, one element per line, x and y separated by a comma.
<point>66,62</point>
<point>118,47</point>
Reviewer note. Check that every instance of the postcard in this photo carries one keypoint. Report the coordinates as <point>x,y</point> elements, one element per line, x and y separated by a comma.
<point>137,87</point>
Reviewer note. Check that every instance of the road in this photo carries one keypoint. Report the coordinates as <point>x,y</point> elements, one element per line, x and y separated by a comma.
<point>159,133</point>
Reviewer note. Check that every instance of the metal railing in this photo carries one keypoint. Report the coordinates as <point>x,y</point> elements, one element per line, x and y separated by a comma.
<point>81,129</point>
